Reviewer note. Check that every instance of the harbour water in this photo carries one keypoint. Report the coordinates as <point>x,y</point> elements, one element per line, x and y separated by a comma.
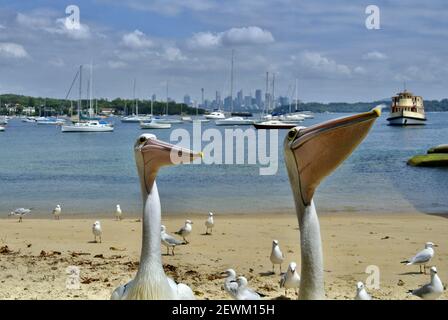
<point>91,173</point>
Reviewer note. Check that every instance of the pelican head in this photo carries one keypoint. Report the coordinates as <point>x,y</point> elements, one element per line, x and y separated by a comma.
<point>313,153</point>
<point>151,154</point>
<point>359,286</point>
<point>292,267</point>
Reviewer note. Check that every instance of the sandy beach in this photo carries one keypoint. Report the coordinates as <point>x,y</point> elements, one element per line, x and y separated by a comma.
<point>34,254</point>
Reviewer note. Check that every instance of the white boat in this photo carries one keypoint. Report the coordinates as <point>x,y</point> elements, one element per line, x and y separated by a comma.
<point>88,126</point>
<point>50,121</point>
<point>293,117</point>
<point>274,124</point>
<point>187,119</point>
<point>154,125</point>
<point>234,121</point>
<point>136,119</point>
<point>167,120</point>
<point>2,128</point>
<point>29,119</point>
<point>215,115</point>
<point>407,109</point>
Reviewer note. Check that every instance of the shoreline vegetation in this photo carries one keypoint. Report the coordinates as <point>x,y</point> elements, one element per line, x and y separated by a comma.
<point>117,106</point>
<point>35,254</point>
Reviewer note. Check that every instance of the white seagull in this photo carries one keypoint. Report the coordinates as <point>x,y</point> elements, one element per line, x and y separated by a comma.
<point>57,212</point>
<point>230,284</point>
<point>431,290</point>
<point>168,240</point>
<point>118,213</point>
<point>185,230</point>
<point>151,282</point>
<point>244,292</point>
<point>311,154</point>
<point>423,257</point>
<point>209,223</point>
<point>276,256</point>
<point>96,230</point>
<point>20,212</point>
<point>361,293</point>
<point>290,279</point>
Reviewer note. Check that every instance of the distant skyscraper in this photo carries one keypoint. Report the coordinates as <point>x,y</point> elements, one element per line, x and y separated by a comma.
<point>218,99</point>
<point>187,100</point>
<point>258,99</point>
<point>239,98</point>
<point>247,102</point>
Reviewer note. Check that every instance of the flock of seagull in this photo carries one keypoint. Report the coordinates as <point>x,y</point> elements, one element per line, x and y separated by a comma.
<point>311,154</point>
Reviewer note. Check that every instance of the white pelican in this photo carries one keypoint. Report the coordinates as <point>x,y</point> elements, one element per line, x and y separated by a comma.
<point>243,292</point>
<point>290,279</point>
<point>57,212</point>
<point>150,281</point>
<point>209,223</point>
<point>277,256</point>
<point>21,212</point>
<point>96,230</point>
<point>168,240</point>
<point>185,230</point>
<point>311,154</point>
<point>431,290</point>
<point>118,213</point>
<point>230,284</point>
<point>423,257</point>
<point>361,293</point>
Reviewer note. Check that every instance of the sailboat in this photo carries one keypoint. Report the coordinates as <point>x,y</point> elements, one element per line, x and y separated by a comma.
<point>89,125</point>
<point>166,119</point>
<point>153,124</point>
<point>136,118</point>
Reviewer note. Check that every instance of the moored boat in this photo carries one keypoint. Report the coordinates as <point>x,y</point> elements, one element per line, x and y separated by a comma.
<point>406,109</point>
<point>234,121</point>
<point>153,124</point>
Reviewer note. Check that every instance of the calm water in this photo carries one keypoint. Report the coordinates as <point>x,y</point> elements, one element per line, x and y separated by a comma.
<point>90,173</point>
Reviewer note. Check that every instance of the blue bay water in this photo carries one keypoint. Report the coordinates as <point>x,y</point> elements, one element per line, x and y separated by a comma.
<point>91,173</point>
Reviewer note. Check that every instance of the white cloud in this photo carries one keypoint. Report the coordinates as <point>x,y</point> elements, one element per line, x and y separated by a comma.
<point>375,55</point>
<point>322,64</point>
<point>169,8</point>
<point>12,50</point>
<point>235,36</point>
<point>137,40</point>
<point>82,32</point>
<point>174,54</point>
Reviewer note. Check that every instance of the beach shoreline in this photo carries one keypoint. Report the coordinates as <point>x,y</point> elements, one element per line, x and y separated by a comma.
<point>38,251</point>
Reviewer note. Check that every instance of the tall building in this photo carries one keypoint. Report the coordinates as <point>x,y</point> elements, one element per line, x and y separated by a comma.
<point>239,98</point>
<point>218,99</point>
<point>258,98</point>
<point>247,102</point>
<point>187,100</point>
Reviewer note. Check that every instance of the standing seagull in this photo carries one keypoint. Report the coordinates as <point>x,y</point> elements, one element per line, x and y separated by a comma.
<point>244,292</point>
<point>168,240</point>
<point>57,212</point>
<point>151,282</point>
<point>311,154</point>
<point>96,230</point>
<point>21,212</point>
<point>118,213</point>
<point>423,257</point>
<point>290,279</point>
<point>361,293</point>
<point>185,230</point>
<point>209,223</point>
<point>230,284</point>
<point>276,256</point>
<point>431,290</point>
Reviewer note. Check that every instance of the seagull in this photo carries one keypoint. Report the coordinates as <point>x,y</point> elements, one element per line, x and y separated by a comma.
<point>276,256</point>
<point>151,282</point>
<point>209,223</point>
<point>185,230</point>
<point>423,257</point>
<point>361,293</point>
<point>290,279</point>
<point>96,230</point>
<point>244,292</point>
<point>21,212</point>
<point>118,213</point>
<point>168,240</point>
<point>57,212</point>
<point>311,154</point>
<point>230,284</point>
<point>431,290</point>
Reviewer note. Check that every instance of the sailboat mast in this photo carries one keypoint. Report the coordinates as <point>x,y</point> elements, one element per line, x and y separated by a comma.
<point>90,90</point>
<point>167,97</point>
<point>266,98</point>
<point>152,104</point>
<point>80,92</point>
<point>297,99</point>
<point>273,92</point>
<point>231,83</point>
<point>135,100</point>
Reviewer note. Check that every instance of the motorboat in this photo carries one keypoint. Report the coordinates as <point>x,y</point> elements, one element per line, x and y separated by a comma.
<point>88,126</point>
<point>50,121</point>
<point>153,124</point>
<point>136,119</point>
<point>234,121</point>
<point>186,119</point>
<point>215,115</point>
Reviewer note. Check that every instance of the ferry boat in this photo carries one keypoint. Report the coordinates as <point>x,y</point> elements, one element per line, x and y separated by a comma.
<point>406,109</point>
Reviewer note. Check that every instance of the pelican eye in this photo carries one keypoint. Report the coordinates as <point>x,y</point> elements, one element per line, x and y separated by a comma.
<point>142,139</point>
<point>292,134</point>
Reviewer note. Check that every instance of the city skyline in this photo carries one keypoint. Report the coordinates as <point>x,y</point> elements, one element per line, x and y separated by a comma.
<point>189,44</point>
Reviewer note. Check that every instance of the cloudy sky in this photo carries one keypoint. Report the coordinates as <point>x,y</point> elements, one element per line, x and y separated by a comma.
<point>325,44</point>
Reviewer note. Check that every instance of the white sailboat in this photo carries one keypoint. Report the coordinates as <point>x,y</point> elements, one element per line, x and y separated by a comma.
<point>166,119</point>
<point>153,124</point>
<point>136,118</point>
<point>90,125</point>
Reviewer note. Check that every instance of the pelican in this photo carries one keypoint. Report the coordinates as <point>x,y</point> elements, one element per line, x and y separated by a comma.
<point>118,213</point>
<point>209,223</point>
<point>290,279</point>
<point>277,256</point>
<point>423,257</point>
<point>185,230</point>
<point>168,240</point>
<point>431,290</point>
<point>21,212</point>
<point>57,212</point>
<point>151,282</point>
<point>311,154</point>
<point>96,230</point>
<point>230,284</point>
<point>361,293</point>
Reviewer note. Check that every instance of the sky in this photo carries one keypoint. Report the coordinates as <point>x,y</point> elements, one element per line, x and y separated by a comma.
<point>188,43</point>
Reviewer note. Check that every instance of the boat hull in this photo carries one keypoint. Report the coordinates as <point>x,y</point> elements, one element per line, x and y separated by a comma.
<point>274,126</point>
<point>406,121</point>
<point>234,123</point>
<point>87,129</point>
<point>155,125</point>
